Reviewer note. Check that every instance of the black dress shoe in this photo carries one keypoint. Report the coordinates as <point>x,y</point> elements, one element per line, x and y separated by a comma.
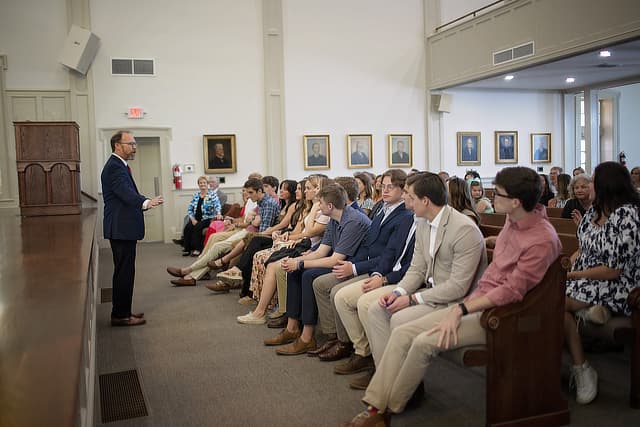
<point>178,241</point>
<point>279,323</point>
<point>339,351</point>
<point>127,321</point>
<point>328,344</point>
<point>186,253</point>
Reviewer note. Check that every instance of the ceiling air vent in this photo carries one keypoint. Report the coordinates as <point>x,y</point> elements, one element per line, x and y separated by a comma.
<point>132,67</point>
<point>513,53</point>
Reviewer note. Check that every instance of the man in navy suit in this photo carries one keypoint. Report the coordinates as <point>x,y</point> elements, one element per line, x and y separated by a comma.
<point>359,157</point>
<point>469,151</point>
<point>123,224</point>
<point>379,244</point>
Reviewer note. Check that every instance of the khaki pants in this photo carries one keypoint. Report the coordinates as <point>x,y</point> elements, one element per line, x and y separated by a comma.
<point>352,306</point>
<point>325,288</point>
<point>407,356</point>
<point>217,245</point>
<point>281,285</point>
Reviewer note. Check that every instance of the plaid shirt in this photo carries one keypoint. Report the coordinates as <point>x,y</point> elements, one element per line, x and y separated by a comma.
<point>269,209</point>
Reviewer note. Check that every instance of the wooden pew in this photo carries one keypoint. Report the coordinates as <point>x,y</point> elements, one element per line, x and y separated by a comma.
<point>554,212</point>
<point>524,342</point>
<point>562,225</point>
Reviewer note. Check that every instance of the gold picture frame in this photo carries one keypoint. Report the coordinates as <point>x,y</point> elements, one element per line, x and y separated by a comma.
<point>506,146</point>
<point>469,148</point>
<point>359,151</point>
<point>400,150</point>
<point>317,152</point>
<point>219,153</point>
<point>541,147</point>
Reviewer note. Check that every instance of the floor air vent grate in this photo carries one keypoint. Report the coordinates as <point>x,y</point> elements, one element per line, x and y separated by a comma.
<point>121,396</point>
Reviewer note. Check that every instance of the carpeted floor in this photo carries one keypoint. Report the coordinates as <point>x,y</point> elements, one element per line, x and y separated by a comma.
<point>199,367</point>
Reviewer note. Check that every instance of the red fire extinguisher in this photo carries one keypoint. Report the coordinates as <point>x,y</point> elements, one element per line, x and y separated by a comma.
<point>177,177</point>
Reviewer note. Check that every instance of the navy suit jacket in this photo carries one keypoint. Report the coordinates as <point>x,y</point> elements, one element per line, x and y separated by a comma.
<point>123,219</point>
<point>379,239</point>
<point>394,250</point>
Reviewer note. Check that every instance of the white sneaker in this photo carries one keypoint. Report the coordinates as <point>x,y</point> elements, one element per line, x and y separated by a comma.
<point>597,314</point>
<point>586,382</point>
<point>252,319</point>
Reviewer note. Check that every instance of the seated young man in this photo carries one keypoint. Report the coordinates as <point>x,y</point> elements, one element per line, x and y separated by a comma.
<point>525,248</point>
<point>381,239</point>
<point>448,259</point>
<point>344,234</point>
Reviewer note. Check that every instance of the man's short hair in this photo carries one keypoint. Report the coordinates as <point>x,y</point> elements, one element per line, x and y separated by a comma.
<point>520,183</point>
<point>558,168</point>
<point>335,194</point>
<point>398,177</point>
<point>272,181</point>
<point>427,184</point>
<point>254,184</point>
<point>350,185</point>
<point>117,137</point>
<point>255,175</point>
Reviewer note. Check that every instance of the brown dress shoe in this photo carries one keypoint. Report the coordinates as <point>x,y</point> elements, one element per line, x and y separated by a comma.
<point>297,347</point>
<point>137,315</point>
<point>284,337</point>
<point>219,286</point>
<point>184,282</point>
<point>175,272</point>
<point>365,419</point>
<point>354,365</point>
<point>279,323</point>
<point>339,351</point>
<point>127,321</point>
<point>324,347</point>
<point>361,383</point>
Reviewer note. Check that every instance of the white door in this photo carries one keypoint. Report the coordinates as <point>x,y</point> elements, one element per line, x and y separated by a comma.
<point>146,172</point>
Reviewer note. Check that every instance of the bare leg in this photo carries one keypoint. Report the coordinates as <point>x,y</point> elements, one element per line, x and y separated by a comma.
<point>307,333</point>
<point>293,325</point>
<point>571,330</point>
<point>268,289</point>
<point>236,251</point>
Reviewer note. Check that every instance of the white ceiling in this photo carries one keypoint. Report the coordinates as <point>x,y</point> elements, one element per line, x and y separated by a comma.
<point>588,69</point>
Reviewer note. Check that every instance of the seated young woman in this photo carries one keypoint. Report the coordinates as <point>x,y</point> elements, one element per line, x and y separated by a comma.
<point>264,278</point>
<point>606,266</point>
<point>562,196</point>
<point>365,194</point>
<point>547,194</point>
<point>460,198</point>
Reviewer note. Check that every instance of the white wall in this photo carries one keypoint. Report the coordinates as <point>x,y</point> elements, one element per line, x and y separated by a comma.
<point>629,123</point>
<point>487,111</point>
<point>209,74</point>
<point>32,34</point>
<point>353,67</point>
<point>450,10</point>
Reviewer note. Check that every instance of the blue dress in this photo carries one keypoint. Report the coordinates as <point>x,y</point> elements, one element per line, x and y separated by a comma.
<point>615,244</point>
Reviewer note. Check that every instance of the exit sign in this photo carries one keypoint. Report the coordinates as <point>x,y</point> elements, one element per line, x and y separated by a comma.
<point>135,113</point>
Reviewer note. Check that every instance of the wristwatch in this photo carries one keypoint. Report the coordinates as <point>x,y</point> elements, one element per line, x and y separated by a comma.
<point>412,301</point>
<point>300,264</point>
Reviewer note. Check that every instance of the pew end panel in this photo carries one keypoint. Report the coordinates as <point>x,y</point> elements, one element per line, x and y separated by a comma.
<point>634,302</point>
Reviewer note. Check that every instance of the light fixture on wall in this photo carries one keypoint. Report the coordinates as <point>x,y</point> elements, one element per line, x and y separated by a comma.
<point>605,54</point>
<point>135,113</point>
<point>509,77</point>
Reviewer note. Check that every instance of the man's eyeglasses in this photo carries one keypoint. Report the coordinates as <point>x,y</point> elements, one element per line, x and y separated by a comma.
<point>388,187</point>
<point>506,196</point>
<point>133,144</point>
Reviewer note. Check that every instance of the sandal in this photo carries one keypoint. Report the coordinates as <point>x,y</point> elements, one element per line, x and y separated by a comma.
<point>218,264</point>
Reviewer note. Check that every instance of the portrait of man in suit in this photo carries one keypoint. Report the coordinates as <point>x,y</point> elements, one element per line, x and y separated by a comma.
<point>220,153</point>
<point>541,144</point>
<point>506,147</point>
<point>316,158</point>
<point>400,155</point>
<point>360,155</point>
<point>470,150</point>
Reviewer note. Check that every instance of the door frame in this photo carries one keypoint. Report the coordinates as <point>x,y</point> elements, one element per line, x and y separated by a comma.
<point>166,189</point>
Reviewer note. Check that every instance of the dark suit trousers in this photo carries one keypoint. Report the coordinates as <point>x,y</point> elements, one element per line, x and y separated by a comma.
<point>124,271</point>
<point>192,235</point>
<point>301,300</point>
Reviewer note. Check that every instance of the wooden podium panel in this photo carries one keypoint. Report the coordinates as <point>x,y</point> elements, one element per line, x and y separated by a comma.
<point>48,162</point>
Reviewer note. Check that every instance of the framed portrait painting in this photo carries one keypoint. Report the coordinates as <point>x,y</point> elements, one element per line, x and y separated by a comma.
<point>359,151</point>
<point>468,147</point>
<point>400,149</point>
<point>317,153</point>
<point>219,153</point>
<point>540,148</point>
<point>506,146</point>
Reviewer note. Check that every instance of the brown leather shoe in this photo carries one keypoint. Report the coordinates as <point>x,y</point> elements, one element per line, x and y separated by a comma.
<point>219,286</point>
<point>137,315</point>
<point>339,351</point>
<point>184,282</point>
<point>296,347</point>
<point>217,264</point>
<point>284,337</point>
<point>354,365</point>
<point>279,323</point>
<point>361,383</point>
<point>175,272</point>
<point>365,419</point>
<point>127,321</point>
<point>324,347</point>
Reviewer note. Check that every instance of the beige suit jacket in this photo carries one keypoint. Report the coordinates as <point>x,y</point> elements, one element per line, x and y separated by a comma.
<point>460,258</point>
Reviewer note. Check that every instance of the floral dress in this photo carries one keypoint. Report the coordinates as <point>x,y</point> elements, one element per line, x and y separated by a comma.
<point>615,244</point>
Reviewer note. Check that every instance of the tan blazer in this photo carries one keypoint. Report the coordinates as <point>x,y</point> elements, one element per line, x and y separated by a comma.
<point>460,258</point>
